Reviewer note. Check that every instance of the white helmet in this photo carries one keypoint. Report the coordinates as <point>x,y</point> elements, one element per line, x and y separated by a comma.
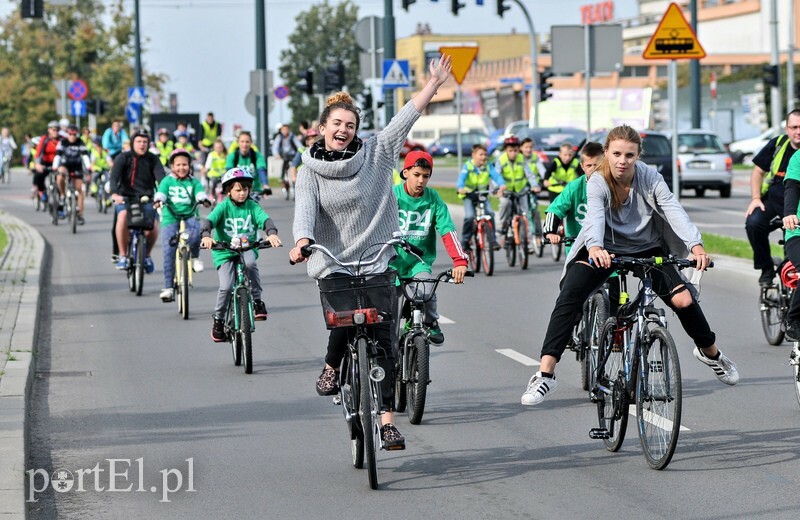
<point>63,122</point>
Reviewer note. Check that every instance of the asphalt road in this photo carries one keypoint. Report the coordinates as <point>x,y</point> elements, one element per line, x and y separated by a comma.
<point>123,377</point>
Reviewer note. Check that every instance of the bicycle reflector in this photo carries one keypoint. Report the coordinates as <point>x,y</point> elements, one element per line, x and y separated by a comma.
<point>789,275</point>
<point>354,317</point>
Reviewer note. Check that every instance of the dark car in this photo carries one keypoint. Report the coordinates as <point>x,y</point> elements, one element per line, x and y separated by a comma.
<point>656,151</point>
<point>548,140</point>
<point>446,144</point>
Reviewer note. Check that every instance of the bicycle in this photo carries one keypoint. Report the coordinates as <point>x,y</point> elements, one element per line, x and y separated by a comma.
<point>638,362</point>
<point>102,196</point>
<point>140,218</point>
<point>516,239</point>
<point>358,301</point>
<point>71,202</point>
<point>412,366</point>
<point>536,223</point>
<point>240,320</point>
<point>182,279</point>
<point>5,167</point>
<point>53,198</point>
<point>481,252</point>
<point>39,198</point>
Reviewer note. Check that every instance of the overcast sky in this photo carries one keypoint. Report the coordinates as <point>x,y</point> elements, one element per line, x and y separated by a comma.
<point>207,47</point>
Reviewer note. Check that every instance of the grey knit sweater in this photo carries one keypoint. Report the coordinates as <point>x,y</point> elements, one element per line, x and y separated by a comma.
<point>349,205</point>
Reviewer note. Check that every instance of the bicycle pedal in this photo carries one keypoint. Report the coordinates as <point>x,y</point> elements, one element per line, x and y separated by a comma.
<point>596,397</point>
<point>337,400</point>
<point>392,448</point>
<point>599,433</point>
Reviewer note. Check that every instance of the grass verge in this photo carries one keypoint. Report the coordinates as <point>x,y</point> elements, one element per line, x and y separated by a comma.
<point>3,240</point>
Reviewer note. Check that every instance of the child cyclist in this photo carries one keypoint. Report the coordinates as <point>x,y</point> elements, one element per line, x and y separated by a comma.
<point>423,214</point>
<point>518,177</point>
<point>214,168</point>
<point>182,190</point>
<point>238,216</point>
<point>476,176</point>
<point>562,170</point>
<point>570,205</point>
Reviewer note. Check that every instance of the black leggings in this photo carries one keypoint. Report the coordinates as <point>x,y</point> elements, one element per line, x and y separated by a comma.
<point>581,280</point>
<point>382,335</point>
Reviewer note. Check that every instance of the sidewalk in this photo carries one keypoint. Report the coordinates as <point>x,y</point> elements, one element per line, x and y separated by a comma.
<point>20,269</point>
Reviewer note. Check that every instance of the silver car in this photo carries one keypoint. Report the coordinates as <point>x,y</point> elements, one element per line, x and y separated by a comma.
<point>704,163</point>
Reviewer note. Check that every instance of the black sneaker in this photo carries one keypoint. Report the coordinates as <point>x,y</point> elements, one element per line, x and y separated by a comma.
<point>260,310</point>
<point>793,330</point>
<point>435,333</point>
<point>391,437</point>
<point>328,382</point>
<point>766,277</point>
<point>218,331</point>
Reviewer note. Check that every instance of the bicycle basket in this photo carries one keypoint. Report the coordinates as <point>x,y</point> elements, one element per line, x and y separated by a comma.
<point>141,216</point>
<point>789,274</point>
<point>366,299</point>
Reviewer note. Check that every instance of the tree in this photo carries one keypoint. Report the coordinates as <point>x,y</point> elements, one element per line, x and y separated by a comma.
<point>323,35</point>
<point>68,43</point>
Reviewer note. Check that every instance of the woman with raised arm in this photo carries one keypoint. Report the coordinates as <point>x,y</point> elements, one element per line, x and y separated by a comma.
<point>344,200</point>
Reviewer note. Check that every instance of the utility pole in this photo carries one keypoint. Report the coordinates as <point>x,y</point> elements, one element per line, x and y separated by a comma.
<point>262,107</point>
<point>790,93</point>
<point>138,64</point>
<point>775,92</point>
<point>389,54</point>
<point>533,116</point>
<point>694,73</point>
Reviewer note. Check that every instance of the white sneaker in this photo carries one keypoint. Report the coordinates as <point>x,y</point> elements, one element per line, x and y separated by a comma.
<point>722,367</point>
<point>167,295</point>
<point>538,388</point>
<point>197,265</point>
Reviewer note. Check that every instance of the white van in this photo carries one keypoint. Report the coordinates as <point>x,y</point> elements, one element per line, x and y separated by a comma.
<point>429,128</point>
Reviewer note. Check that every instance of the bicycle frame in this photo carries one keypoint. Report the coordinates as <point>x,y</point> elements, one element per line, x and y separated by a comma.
<point>482,219</point>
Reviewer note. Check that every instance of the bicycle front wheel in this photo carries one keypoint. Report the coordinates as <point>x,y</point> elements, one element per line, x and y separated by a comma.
<point>399,384</point>
<point>522,247</point>
<point>348,394</point>
<point>771,317</point>
<point>419,365</point>
<point>487,249</point>
<point>245,330</point>
<point>511,248</point>
<point>366,409</point>
<point>598,315</point>
<point>183,284</point>
<point>538,236</point>
<point>475,254</point>
<point>555,251</point>
<point>794,360</point>
<point>612,406</point>
<point>73,211</point>
<point>659,399</point>
<point>138,263</point>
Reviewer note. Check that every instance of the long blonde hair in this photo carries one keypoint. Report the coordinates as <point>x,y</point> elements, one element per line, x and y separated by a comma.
<point>625,133</point>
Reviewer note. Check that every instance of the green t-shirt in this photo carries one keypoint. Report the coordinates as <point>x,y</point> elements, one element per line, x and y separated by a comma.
<point>418,218</point>
<point>181,193</point>
<point>229,220</point>
<point>793,173</point>
<point>247,163</point>
<point>570,206</point>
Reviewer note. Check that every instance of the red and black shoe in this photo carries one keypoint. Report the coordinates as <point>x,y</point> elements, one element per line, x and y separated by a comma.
<point>260,310</point>
<point>218,331</point>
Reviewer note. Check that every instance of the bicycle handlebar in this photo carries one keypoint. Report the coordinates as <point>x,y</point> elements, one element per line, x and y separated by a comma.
<point>655,261</point>
<point>438,278</point>
<point>358,264</point>
<point>182,216</point>
<point>227,246</point>
<point>567,241</point>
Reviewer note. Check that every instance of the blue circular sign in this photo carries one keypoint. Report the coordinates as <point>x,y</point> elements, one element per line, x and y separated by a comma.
<point>77,90</point>
<point>281,92</point>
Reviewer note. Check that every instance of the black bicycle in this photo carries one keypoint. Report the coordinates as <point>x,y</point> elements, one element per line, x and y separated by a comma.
<point>358,301</point>
<point>638,363</point>
<point>412,366</point>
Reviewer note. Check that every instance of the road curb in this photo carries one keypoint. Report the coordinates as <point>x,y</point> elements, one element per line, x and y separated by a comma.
<point>23,262</point>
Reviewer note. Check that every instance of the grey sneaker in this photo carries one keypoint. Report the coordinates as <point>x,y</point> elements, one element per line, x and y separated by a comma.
<point>722,367</point>
<point>538,388</point>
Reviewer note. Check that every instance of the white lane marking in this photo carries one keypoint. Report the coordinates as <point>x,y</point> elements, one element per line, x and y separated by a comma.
<point>445,321</point>
<point>656,420</point>
<point>516,356</point>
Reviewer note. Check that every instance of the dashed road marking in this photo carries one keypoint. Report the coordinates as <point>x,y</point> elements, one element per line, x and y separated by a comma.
<point>516,356</point>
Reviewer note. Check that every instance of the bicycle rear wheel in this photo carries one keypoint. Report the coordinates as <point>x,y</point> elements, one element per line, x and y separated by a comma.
<point>73,210</point>
<point>612,407</point>
<point>419,365</point>
<point>538,236</point>
<point>138,263</point>
<point>598,315</point>
<point>522,247</point>
<point>366,409</point>
<point>487,249</point>
<point>475,254</point>
<point>183,284</point>
<point>659,399</point>
<point>771,317</point>
<point>245,330</point>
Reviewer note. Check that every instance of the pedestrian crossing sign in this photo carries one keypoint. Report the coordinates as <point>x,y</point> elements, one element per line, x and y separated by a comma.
<point>395,74</point>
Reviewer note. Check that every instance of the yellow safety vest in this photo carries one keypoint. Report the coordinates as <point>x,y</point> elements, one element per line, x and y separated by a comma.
<point>780,149</point>
<point>164,150</point>
<point>476,179</point>
<point>218,163</point>
<point>396,177</point>
<point>563,176</point>
<point>514,174</point>
<point>210,133</point>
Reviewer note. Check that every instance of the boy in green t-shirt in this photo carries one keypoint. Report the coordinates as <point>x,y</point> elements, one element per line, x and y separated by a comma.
<point>181,190</point>
<point>570,204</point>
<point>422,215</point>
<point>238,216</point>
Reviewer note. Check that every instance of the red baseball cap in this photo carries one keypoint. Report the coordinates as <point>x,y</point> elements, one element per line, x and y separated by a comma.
<point>416,155</point>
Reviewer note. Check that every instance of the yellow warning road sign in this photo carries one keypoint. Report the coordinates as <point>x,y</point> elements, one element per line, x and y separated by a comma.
<point>674,39</point>
<point>462,58</point>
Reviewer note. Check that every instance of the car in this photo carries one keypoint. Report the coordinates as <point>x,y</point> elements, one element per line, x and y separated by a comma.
<point>704,163</point>
<point>495,144</point>
<point>656,151</point>
<point>548,140</point>
<point>514,127</point>
<point>412,146</point>
<point>446,144</point>
<point>744,150</point>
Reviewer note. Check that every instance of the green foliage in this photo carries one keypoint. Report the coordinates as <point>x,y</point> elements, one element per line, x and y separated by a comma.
<point>323,35</point>
<point>69,43</point>
<point>3,240</point>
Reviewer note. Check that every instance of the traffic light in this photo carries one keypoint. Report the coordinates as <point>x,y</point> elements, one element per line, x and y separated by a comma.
<point>367,113</point>
<point>96,106</point>
<point>334,77</point>
<point>772,75</point>
<point>544,85</point>
<point>455,6</point>
<point>502,7</point>
<point>307,82</point>
<point>32,9</point>
<point>407,3</point>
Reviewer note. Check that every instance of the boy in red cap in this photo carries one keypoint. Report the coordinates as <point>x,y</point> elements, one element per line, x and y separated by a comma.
<point>421,212</point>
